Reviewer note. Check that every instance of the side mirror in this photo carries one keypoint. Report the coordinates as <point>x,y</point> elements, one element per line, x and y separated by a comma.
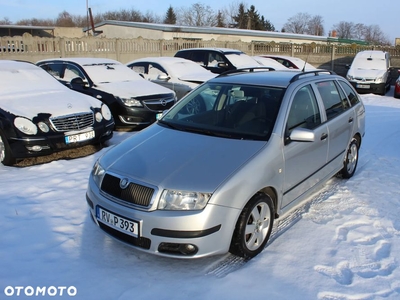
<point>163,77</point>
<point>79,81</point>
<point>222,65</point>
<point>302,135</point>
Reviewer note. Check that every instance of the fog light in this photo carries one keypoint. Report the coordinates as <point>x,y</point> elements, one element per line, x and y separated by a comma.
<point>37,148</point>
<point>178,249</point>
<point>187,249</point>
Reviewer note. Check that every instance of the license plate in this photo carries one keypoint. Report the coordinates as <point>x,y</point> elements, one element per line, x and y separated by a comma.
<point>158,116</point>
<point>76,138</point>
<point>363,86</point>
<point>117,222</point>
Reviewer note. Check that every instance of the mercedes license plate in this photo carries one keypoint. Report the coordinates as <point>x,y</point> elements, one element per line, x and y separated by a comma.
<point>76,138</point>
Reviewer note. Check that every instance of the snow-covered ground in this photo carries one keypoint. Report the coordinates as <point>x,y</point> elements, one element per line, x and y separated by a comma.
<point>343,244</point>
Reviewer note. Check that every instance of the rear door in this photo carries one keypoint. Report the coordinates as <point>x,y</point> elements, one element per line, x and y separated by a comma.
<point>339,119</point>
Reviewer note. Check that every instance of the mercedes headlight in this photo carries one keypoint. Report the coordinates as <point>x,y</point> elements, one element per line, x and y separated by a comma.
<point>183,200</point>
<point>98,173</point>
<point>24,125</point>
<point>105,111</point>
<point>130,102</point>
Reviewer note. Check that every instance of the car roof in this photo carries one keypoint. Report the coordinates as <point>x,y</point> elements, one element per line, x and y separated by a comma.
<point>278,78</point>
<point>223,50</point>
<point>84,60</point>
<point>163,59</point>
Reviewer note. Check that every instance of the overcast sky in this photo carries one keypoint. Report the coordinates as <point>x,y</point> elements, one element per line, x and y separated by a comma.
<point>367,12</point>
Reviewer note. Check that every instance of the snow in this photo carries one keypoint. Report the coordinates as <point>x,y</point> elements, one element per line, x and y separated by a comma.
<point>343,244</point>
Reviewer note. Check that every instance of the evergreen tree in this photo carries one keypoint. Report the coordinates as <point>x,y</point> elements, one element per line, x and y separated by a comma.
<point>220,20</point>
<point>170,17</point>
<point>241,17</point>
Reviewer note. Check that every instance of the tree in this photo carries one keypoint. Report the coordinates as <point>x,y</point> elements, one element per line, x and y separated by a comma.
<point>344,30</point>
<point>198,15</point>
<point>220,19</point>
<point>267,25</point>
<point>298,23</point>
<point>372,33</point>
<point>170,16</point>
<point>5,21</point>
<point>315,26</point>
<point>241,17</point>
<point>64,19</point>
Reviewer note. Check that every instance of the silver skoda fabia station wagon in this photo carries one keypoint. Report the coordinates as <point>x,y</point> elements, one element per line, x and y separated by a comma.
<point>218,168</point>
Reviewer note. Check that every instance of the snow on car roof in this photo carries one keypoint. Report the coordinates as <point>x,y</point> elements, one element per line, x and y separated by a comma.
<point>18,76</point>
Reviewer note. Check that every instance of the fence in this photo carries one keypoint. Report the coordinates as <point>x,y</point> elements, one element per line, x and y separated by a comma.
<point>328,56</point>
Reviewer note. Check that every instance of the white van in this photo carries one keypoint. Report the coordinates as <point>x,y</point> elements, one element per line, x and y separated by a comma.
<point>370,72</point>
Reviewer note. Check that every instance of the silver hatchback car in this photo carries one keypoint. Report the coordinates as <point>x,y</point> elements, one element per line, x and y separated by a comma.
<point>222,164</point>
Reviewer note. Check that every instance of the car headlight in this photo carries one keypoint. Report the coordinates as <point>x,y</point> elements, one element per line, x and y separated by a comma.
<point>379,79</point>
<point>98,173</point>
<point>131,102</point>
<point>349,77</point>
<point>24,125</point>
<point>99,117</point>
<point>183,200</point>
<point>105,111</point>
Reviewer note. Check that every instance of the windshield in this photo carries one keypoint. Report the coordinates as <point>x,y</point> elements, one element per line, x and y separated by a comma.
<point>227,110</point>
<point>110,72</point>
<point>241,60</point>
<point>179,69</point>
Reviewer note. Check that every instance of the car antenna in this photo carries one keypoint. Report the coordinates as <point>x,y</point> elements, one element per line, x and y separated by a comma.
<point>305,63</point>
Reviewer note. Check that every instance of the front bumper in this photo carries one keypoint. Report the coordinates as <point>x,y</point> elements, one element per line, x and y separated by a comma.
<point>367,87</point>
<point>169,233</point>
<point>46,144</point>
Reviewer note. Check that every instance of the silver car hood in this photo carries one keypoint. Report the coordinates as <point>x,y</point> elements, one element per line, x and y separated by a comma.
<point>132,88</point>
<point>179,160</point>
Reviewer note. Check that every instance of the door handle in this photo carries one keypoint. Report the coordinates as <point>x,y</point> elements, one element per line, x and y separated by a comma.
<point>351,120</point>
<point>324,136</point>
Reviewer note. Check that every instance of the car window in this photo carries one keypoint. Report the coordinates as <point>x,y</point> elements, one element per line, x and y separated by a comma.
<point>304,111</point>
<point>334,104</point>
<point>140,67</point>
<point>214,58</point>
<point>54,69</point>
<point>155,70</point>
<point>197,57</point>
<point>229,110</point>
<point>72,72</point>
<point>350,93</point>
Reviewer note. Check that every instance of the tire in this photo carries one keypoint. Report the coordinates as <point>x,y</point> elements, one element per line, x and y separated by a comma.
<point>6,157</point>
<point>253,227</point>
<point>196,105</point>
<point>351,160</point>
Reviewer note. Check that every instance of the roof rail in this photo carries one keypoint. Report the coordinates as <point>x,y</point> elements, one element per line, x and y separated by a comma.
<point>308,73</point>
<point>248,69</point>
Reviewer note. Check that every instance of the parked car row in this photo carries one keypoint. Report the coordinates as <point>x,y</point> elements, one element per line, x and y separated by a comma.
<point>250,122</point>
<point>137,99</point>
<point>40,116</point>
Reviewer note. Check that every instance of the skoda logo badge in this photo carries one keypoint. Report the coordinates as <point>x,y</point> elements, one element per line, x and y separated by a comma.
<point>123,184</point>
